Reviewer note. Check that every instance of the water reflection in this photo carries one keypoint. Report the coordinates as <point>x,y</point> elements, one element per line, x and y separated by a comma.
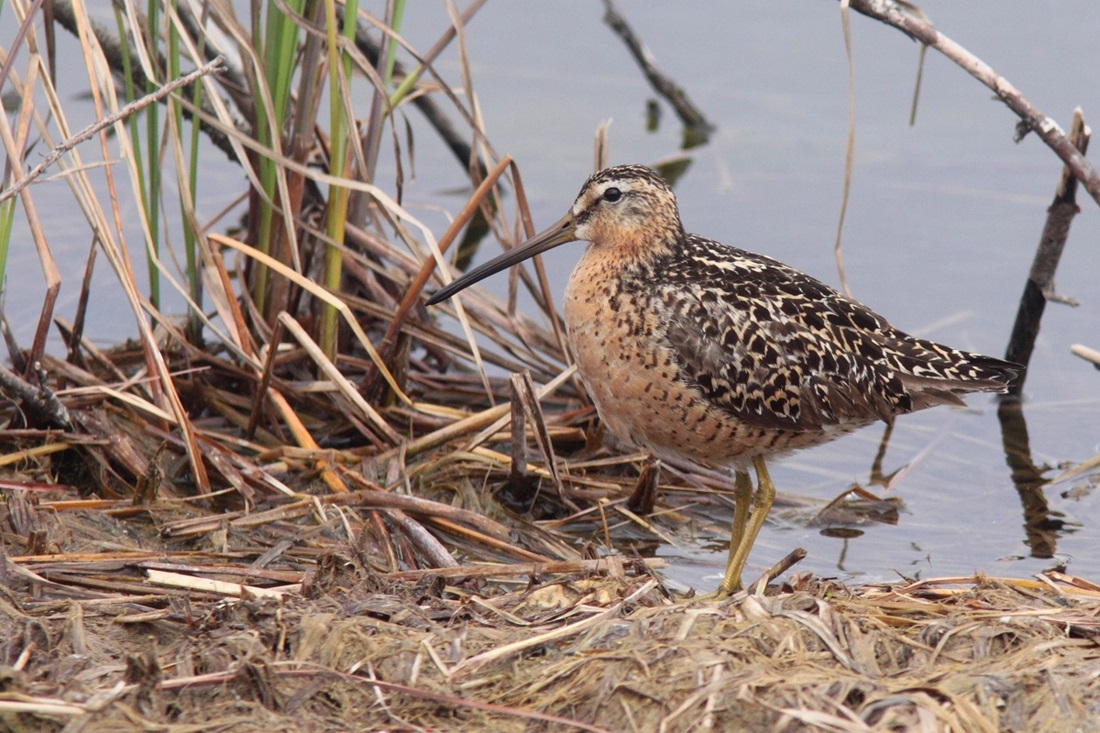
<point>856,506</point>
<point>1041,524</point>
<point>878,478</point>
<point>842,517</point>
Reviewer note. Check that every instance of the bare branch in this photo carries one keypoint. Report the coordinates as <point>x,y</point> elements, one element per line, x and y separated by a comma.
<point>909,20</point>
<point>89,132</point>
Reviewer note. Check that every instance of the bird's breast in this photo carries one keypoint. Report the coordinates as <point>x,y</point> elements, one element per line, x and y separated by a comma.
<point>634,376</point>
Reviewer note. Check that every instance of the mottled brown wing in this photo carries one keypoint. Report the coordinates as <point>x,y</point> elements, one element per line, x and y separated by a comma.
<point>778,349</point>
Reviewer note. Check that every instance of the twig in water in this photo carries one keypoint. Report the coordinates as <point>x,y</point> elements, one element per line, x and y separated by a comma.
<point>688,113</point>
<point>1086,353</point>
<point>1040,281</point>
<point>909,20</point>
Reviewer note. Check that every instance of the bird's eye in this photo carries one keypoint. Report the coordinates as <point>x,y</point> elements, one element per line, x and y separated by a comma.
<point>612,194</point>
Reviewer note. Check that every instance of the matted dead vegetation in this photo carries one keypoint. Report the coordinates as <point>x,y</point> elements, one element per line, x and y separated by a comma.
<point>129,638</point>
<point>306,506</point>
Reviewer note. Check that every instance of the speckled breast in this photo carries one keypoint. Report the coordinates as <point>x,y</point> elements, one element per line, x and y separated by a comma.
<point>632,375</point>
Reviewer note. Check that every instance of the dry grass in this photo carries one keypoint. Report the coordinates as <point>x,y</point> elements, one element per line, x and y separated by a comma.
<point>132,624</point>
<point>239,523</point>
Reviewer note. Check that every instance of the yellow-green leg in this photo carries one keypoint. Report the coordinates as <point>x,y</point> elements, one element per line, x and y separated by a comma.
<point>746,526</point>
<point>742,498</point>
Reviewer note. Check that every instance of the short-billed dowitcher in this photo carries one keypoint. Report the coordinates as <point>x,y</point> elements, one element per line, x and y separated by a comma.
<point>692,349</point>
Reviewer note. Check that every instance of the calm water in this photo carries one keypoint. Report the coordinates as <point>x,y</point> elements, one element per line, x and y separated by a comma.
<point>941,228</point>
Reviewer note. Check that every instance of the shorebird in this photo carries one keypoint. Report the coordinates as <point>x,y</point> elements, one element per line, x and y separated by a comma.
<point>693,349</point>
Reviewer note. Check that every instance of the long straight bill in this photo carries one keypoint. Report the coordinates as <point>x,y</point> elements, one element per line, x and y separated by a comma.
<point>560,233</point>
